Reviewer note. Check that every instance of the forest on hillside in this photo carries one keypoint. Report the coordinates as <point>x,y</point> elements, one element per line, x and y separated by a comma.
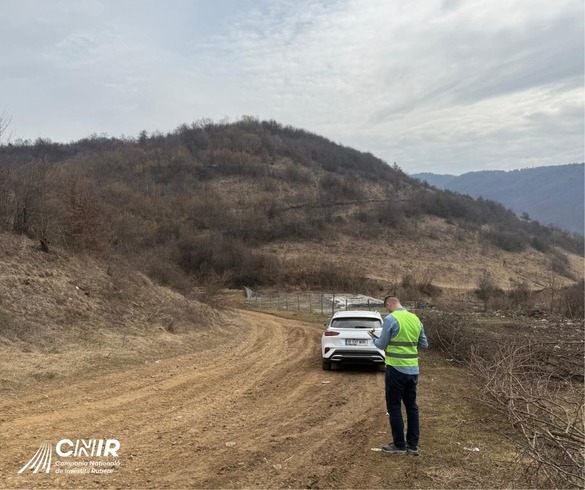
<point>553,194</point>
<point>193,205</point>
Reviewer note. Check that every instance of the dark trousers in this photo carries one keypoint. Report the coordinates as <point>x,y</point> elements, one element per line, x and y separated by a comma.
<point>401,388</point>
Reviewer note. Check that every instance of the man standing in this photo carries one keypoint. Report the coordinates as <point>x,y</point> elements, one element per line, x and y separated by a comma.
<point>402,335</point>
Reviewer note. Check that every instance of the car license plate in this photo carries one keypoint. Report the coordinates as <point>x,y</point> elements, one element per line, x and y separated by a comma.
<point>356,342</point>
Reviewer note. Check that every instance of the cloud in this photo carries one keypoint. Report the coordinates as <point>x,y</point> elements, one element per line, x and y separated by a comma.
<point>435,81</point>
<point>433,85</point>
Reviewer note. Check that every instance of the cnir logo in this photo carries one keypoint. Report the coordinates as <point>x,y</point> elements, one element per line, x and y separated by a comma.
<point>41,459</point>
<point>81,448</point>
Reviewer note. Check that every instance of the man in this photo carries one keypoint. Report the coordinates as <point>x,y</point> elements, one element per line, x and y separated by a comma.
<point>402,335</point>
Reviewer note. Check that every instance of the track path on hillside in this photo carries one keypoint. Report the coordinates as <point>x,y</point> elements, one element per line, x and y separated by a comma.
<point>259,388</point>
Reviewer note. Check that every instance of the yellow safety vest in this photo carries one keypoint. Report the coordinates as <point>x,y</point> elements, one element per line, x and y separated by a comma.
<point>402,349</point>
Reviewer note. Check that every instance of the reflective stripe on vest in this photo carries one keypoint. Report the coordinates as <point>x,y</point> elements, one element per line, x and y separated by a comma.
<point>402,350</point>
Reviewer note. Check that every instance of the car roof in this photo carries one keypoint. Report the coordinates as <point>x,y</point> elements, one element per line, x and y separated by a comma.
<point>358,314</point>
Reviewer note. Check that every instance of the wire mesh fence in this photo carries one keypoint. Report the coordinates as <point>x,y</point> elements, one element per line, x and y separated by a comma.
<point>323,303</point>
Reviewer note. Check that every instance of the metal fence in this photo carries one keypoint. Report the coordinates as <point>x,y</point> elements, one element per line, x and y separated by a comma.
<point>323,303</point>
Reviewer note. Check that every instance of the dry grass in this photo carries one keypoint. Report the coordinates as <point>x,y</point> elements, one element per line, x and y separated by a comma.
<point>473,454</point>
<point>452,260</point>
<point>62,315</point>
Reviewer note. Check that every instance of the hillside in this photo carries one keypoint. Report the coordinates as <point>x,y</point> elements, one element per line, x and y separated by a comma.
<point>65,315</point>
<point>551,195</point>
<point>260,204</point>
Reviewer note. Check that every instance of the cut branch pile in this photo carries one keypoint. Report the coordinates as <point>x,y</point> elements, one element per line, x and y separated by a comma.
<point>536,385</point>
<point>546,413</point>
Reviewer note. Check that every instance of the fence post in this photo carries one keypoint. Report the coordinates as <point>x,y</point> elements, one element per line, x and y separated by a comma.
<point>321,303</point>
<point>333,305</point>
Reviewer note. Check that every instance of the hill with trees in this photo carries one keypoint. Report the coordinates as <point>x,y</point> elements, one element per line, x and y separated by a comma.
<point>258,203</point>
<point>552,195</point>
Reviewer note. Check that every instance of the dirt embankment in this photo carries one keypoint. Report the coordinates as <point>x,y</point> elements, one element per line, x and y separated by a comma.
<point>250,407</point>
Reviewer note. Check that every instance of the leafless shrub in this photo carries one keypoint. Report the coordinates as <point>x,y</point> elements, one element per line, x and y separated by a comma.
<point>419,285</point>
<point>572,301</point>
<point>85,228</point>
<point>308,273</point>
<point>6,197</point>
<point>30,191</point>
<point>487,289</point>
<point>451,333</point>
<point>210,293</point>
<point>520,295</point>
<point>511,241</point>
<point>560,264</point>
<point>547,414</point>
<point>203,255</point>
<point>295,173</point>
<point>160,265</point>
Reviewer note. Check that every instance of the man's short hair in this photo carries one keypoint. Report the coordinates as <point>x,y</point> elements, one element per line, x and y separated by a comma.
<point>390,297</point>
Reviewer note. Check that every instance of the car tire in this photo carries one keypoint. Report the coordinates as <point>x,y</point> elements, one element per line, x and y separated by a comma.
<point>326,365</point>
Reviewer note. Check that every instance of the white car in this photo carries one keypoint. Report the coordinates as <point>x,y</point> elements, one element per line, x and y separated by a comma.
<point>346,338</point>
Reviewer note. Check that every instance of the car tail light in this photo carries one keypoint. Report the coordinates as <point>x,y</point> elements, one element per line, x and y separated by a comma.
<point>330,333</point>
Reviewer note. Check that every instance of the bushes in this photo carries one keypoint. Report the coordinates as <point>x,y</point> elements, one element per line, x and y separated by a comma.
<point>560,264</point>
<point>507,240</point>
<point>235,264</point>
<point>420,285</point>
<point>572,301</point>
<point>314,274</point>
<point>451,333</point>
<point>213,253</point>
<point>487,289</point>
<point>520,295</point>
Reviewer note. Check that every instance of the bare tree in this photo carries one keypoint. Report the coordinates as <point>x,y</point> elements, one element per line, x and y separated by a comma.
<point>6,193</point>
<point>486,289</point>
<point>29,190</point>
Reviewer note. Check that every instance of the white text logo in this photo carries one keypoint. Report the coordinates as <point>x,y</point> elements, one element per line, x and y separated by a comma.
<point>41,459</point>
<point>74,452</point>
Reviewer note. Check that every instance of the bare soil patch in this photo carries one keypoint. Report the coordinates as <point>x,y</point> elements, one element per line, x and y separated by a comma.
<point>251,408</point>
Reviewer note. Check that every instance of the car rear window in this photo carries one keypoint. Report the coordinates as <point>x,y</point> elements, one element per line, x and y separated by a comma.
<point>368,323</point>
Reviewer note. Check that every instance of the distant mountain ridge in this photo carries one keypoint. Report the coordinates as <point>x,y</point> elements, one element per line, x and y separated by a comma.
<point>551,195</point>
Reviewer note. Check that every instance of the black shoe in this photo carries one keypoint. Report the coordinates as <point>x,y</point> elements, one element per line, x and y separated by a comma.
<point>412,450</point>
<point>392,449</point>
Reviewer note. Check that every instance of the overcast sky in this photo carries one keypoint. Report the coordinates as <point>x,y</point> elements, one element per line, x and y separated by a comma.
<point>445,86</point>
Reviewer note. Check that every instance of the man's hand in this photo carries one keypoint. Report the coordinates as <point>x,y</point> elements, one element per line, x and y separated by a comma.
<point>372,334</point>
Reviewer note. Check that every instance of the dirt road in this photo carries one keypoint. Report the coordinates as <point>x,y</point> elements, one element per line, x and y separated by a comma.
<point>251,409</point>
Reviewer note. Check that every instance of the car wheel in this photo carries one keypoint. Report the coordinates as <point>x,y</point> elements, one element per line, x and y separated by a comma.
<point>326,365</point>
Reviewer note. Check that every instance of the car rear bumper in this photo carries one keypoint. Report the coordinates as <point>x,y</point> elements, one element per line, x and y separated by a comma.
<point>352,356</point>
